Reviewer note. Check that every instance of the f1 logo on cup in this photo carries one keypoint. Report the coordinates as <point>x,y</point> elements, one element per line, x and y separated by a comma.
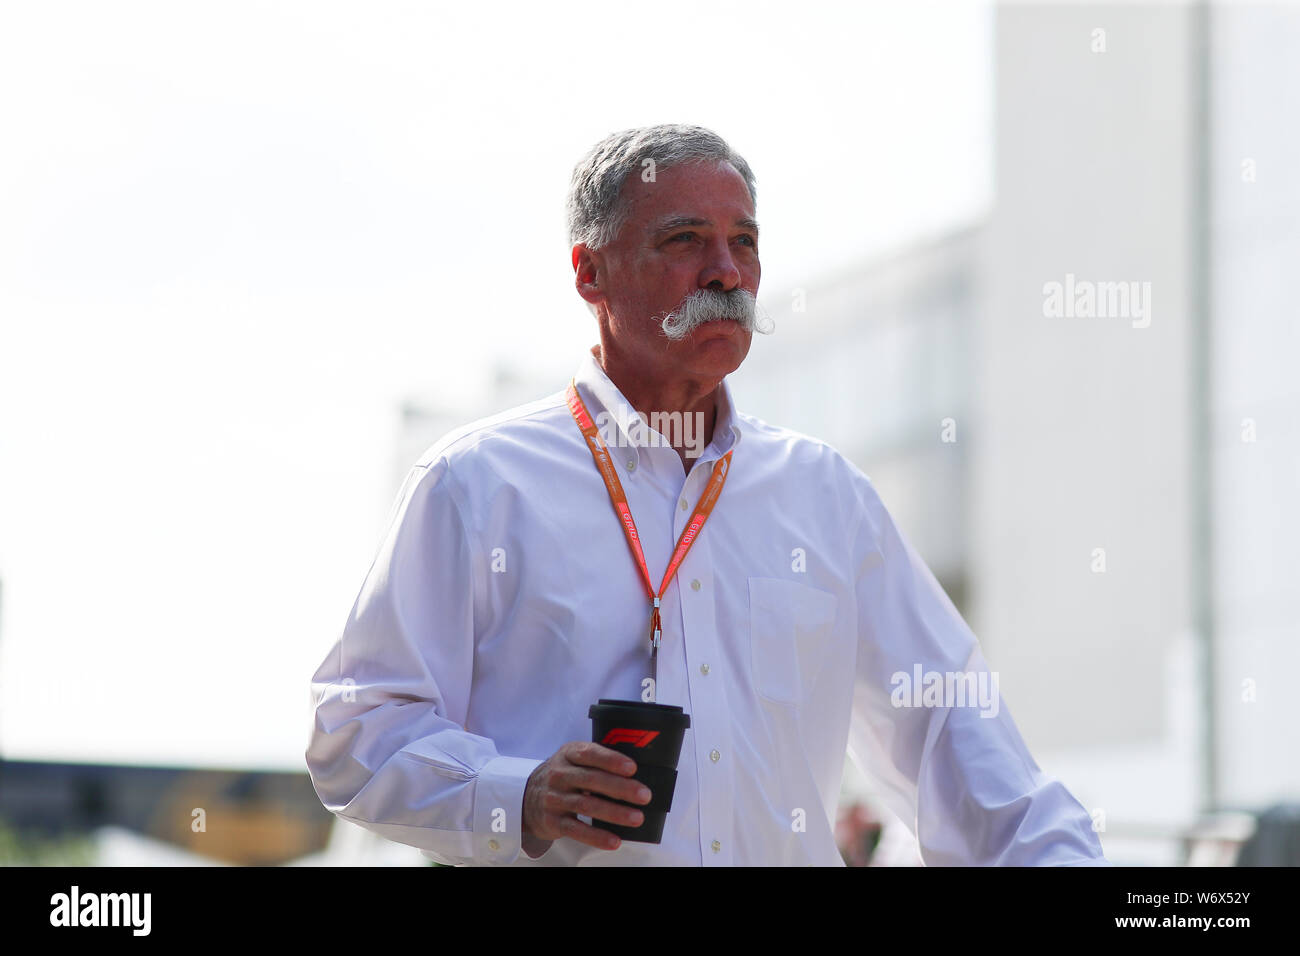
<point>626,735</point>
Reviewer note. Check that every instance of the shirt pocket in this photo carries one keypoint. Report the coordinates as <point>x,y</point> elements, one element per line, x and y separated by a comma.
<point>789,636</point>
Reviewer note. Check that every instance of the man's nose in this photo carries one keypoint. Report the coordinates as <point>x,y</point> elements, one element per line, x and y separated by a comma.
<point>720,270</point>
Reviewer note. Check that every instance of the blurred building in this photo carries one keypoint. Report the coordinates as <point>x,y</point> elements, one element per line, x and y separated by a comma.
<point>1129,144</point>
<point>1252,244</point>
<point>160,816</point>
<point>1088,421</point>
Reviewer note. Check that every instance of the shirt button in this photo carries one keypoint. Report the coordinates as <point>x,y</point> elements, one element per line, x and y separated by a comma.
<point>704,669</point>
<point>493,845</point>
<point>717,846</point>
<point>695,585</point>
<point>683,504</point>
<point>631,465</point>
<point>714,756</point>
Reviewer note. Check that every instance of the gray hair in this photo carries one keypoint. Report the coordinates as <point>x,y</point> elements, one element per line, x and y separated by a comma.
<point>594,211</point>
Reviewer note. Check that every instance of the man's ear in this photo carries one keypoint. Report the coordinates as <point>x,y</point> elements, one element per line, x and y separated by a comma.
<point>587,273</point>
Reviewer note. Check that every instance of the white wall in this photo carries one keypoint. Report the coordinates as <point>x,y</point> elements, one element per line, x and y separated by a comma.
<point>1083,433</point>
<point>1256,345</point>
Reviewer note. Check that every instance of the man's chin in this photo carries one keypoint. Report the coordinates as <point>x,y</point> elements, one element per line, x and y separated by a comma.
<point>719,347</point>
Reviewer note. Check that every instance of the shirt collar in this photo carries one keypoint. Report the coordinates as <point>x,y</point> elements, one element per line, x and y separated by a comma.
<point>601,394</point>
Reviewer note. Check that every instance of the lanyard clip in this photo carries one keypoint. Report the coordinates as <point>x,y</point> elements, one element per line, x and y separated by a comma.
<point>655,632</point>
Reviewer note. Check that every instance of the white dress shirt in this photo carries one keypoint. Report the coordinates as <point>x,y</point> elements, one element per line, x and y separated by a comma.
<point>504,601</point>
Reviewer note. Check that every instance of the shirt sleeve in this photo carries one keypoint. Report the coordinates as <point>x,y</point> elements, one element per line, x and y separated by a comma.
<point>388,749</point>
<point>950,764</point>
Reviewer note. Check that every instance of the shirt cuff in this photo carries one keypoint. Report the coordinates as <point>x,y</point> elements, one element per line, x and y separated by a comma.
<point>499,808</point>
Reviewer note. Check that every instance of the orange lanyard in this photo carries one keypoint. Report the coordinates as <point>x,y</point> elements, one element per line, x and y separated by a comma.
<point>703,508</point>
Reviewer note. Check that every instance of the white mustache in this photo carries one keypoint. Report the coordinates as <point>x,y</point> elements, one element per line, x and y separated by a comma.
<point>706,305</point>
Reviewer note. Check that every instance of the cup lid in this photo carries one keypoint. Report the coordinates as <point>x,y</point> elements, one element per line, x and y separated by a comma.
<point>639,710</point>
<point>610,702</point>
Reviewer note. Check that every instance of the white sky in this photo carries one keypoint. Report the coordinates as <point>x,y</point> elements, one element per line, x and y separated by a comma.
<point>233,237</point>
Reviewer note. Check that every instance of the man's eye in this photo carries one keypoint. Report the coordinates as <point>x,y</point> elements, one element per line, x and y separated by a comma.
<point>749,239</point>
<point>683,235</point>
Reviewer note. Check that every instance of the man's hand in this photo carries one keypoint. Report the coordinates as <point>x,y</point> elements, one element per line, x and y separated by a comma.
<point>564,786</point>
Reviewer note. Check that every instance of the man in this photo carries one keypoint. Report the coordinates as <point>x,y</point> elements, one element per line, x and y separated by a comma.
<point>507,596</point>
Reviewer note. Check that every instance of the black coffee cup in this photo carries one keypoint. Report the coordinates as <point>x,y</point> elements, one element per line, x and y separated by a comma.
<point>651,734</point>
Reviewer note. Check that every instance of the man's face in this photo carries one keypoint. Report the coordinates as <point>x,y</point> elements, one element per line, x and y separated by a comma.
<point>692,228</point>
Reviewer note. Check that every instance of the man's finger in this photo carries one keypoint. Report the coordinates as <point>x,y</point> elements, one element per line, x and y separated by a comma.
<point>590,754</point>
<point>575,829</point>
<point>599,809</point>
<point>606,784</point>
